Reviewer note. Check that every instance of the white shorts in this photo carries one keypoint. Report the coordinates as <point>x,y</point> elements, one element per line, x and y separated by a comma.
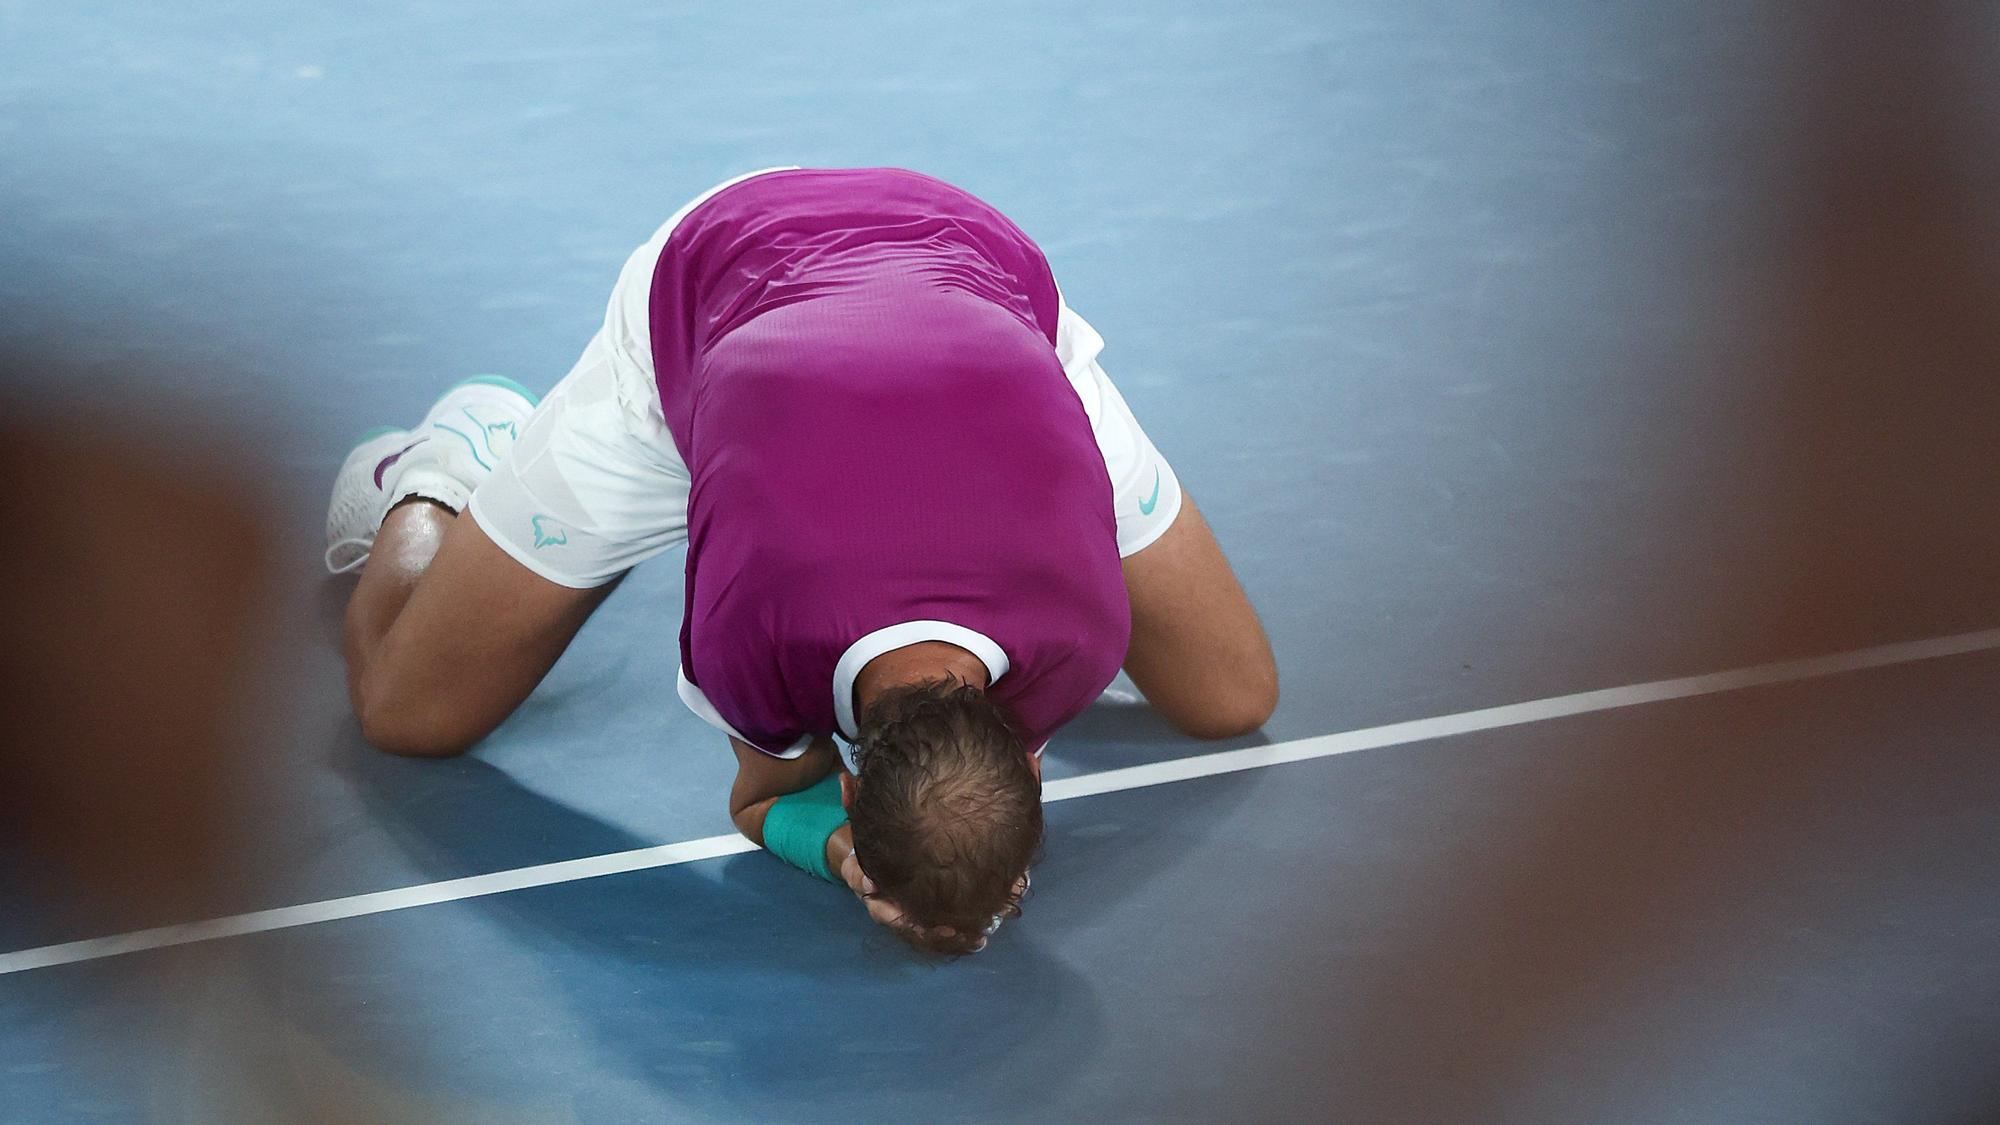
<point>595,485</point>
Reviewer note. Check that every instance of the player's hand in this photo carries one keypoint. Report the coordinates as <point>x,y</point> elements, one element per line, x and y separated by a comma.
<point>884,912</point>
<point>841,846</point>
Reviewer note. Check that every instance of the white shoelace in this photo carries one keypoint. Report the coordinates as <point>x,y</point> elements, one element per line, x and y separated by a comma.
<point>354,563</point>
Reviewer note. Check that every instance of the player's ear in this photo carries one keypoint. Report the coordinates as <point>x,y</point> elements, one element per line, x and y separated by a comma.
<point>1035,764</point>
<point>847,789</point>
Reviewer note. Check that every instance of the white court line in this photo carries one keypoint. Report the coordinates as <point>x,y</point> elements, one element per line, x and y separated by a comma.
<point>1108,781</point>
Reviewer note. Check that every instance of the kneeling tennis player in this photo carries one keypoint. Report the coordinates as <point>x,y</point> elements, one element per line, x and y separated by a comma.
<point>919,519</point>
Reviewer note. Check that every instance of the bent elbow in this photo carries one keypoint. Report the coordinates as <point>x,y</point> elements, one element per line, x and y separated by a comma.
<point>752,827</point>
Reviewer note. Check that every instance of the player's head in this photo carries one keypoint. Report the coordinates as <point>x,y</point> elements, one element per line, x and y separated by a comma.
<point>946,809</point>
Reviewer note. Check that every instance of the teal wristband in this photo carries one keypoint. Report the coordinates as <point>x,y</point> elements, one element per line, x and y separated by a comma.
<point>798,824</point>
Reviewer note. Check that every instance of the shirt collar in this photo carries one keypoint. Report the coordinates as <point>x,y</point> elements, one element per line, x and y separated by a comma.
<point>898,636</point>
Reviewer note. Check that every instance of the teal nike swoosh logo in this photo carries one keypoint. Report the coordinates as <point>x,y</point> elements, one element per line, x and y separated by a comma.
<point>1147,505</point>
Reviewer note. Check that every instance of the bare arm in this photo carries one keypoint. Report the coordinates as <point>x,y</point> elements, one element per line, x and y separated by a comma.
<point>762,779</point>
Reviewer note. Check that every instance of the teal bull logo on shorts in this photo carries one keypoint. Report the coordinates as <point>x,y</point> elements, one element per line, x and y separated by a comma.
<point>548,533</point>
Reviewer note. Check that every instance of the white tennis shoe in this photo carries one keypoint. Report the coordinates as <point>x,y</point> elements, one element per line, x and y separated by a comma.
<point>467,433</point>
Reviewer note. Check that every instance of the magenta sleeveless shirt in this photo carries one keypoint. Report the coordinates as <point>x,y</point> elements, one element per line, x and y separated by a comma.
<point>858,367</point>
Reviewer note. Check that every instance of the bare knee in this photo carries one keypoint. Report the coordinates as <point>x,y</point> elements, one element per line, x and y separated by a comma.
<point>397,727</point>
<point>1218,725</point>
<point>1240,710</point>
<point>393,737</point>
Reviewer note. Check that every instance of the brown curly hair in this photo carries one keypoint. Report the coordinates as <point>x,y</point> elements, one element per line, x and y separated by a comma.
<point>947,811</point>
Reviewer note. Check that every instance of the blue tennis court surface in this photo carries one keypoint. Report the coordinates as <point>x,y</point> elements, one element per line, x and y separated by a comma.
<point>1513,351</point>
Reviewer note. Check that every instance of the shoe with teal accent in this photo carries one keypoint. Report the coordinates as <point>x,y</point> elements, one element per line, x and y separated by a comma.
<point>470,431</point>
<point>467,433</point>
<point>361,495</point>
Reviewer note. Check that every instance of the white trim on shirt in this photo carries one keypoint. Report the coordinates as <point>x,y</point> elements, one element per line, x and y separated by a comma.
<point>849,667</point>
<point>898,636</point>
<point>697,701</point>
